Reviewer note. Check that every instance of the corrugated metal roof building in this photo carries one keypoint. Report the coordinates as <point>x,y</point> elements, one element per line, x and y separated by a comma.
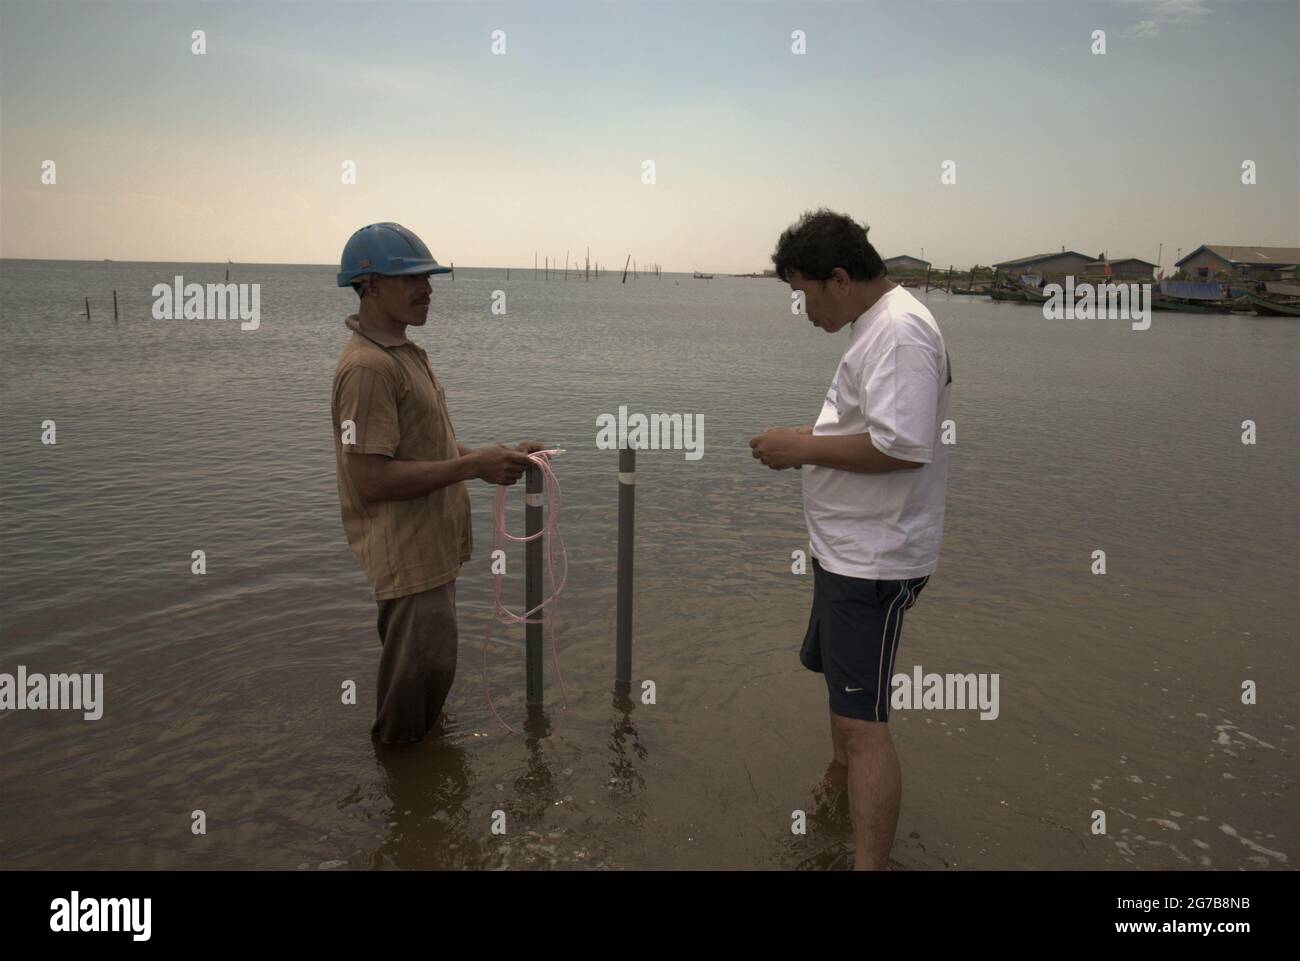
<point>1259,263</point>
<point>895,264</point>
<point>1125,268</point>
<point>1059,262</point>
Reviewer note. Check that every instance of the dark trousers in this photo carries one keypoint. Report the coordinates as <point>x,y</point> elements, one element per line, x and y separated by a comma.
<point>418,662</point>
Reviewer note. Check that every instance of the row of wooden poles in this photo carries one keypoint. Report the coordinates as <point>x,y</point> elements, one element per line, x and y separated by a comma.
<point>114,307</point>
<point>534,566</point>
<point>947,282</point>
<point>551,269</point>
<point>548,268</point>
<point>453,277</point>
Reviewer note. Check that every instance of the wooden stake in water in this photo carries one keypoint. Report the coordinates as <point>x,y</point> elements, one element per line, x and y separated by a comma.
<point>87,308</point>
<point>625,263</point>
<point>115,306</point>
<point>626,530</point>
<point>533,586</point>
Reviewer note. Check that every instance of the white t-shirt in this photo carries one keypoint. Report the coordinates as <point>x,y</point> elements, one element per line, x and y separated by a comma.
<point>892,383</point>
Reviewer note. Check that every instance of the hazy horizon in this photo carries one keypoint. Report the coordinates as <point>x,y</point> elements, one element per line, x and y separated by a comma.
<point>163,155</point>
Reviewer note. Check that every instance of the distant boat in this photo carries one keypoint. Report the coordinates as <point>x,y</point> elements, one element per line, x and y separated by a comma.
<point>699,276</point>
<point>1269,307</point>
<point>1021,294</point>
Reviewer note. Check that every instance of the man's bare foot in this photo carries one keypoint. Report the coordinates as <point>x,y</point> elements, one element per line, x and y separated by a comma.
<point>831,799</point>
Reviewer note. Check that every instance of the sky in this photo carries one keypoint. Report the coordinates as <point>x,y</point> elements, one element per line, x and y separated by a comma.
<point>238,153</point>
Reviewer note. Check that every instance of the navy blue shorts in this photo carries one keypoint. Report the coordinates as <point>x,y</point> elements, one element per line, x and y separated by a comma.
<point>853,636</point>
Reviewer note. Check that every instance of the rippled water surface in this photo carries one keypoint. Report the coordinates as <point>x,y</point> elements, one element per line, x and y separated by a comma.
<point>1120,693</point>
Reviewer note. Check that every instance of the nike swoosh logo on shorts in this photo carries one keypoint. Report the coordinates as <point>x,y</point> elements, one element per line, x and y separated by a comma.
<point>852,690</point>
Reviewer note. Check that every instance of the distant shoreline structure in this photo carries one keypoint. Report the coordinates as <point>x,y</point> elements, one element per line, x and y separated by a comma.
<point>1234,264</point>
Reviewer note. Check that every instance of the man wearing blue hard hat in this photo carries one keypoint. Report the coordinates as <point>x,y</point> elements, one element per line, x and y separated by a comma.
<point>401,476</point>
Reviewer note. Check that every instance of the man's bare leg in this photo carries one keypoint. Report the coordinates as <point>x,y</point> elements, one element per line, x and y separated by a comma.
<point>832,794</point>
<point>875,788</point>
<point>837,745</point>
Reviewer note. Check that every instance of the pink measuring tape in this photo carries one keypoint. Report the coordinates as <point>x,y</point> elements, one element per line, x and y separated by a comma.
<point>502,614</point>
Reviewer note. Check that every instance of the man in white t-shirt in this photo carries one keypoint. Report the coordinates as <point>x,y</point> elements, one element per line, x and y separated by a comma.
<point>874,472</point>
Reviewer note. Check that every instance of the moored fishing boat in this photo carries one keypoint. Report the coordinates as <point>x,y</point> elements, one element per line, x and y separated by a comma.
<point>1269,307</point>
<point>1184,306</point>
<point>1192,297</point>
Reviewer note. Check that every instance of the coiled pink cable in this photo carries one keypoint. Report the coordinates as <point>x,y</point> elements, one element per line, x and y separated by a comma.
<point>502,614</point>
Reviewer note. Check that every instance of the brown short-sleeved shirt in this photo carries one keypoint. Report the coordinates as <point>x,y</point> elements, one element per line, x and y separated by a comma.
<point>386,387</point>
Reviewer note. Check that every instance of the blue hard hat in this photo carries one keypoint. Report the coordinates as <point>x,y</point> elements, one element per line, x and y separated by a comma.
<point>386,249</point>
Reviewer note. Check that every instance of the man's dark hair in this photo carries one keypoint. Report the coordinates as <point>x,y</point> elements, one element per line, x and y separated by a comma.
<point>822,240</point>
